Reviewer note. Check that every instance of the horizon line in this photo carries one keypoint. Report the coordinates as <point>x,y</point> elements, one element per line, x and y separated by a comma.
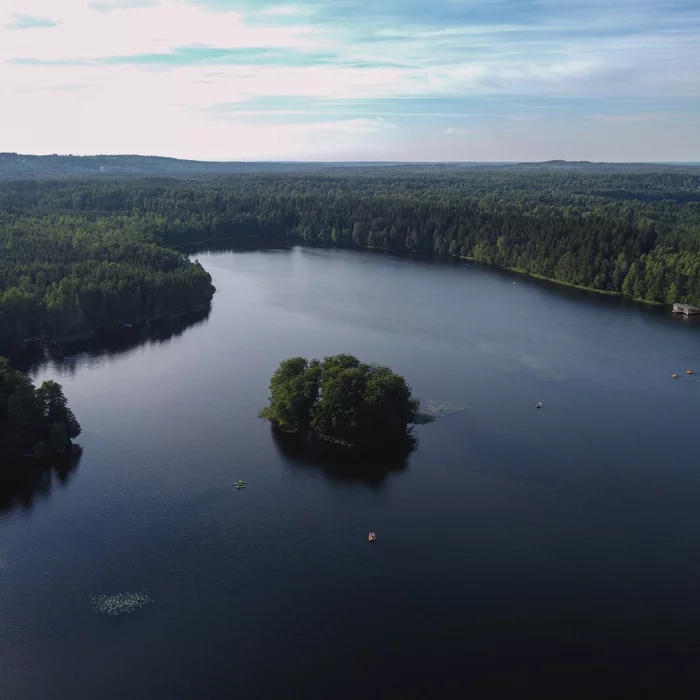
<point>252,161</point>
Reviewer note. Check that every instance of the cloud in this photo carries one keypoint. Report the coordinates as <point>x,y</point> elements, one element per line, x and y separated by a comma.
<point>195,56</point>
<point>29,22</point>
<point>114,5</point>
<point>349,126</point>
<point>68,88</point>
<point>628,118</point>
<point>392,76</point>
<point>327,116</point>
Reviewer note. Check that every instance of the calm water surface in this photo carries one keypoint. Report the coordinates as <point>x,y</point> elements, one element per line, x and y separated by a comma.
<point>520,553</point>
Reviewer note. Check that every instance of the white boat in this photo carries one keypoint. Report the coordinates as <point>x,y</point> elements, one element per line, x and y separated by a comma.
<point>539,405</point>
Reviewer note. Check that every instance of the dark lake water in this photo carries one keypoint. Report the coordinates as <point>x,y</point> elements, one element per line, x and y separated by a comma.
<point>520,552</point>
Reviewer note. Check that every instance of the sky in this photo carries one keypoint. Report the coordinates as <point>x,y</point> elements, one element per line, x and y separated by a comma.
<point>397,80</point>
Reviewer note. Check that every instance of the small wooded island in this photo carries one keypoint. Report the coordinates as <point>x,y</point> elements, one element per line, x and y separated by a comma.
<point>34,423</point>
<point>343,402</point>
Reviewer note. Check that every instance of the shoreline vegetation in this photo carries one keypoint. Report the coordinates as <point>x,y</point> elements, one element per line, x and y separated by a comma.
<point>250,242</point>
<point>287,242</point>
<point>534,275</point>
<point>36,424</point>
<point>343,404</point>
<point>80,255</point>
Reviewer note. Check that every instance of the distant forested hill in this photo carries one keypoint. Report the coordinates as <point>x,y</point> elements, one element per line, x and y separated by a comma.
<point>96,251</point>
<point>14,166</point>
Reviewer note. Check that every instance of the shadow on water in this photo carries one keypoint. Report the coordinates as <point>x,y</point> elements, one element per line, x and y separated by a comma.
<point>113,344</point>
<point>337,464</point>
<point>22,485</point>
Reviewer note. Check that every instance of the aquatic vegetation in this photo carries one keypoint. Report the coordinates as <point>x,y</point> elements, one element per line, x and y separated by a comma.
<point>120,604</point>
<point>443,408</point>
<point>5,563</point>
<point>534,363</point>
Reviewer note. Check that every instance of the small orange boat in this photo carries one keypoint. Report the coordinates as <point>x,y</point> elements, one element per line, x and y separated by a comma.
<point>675,376</point>
<point>689,371</point>
<point>372,537</point>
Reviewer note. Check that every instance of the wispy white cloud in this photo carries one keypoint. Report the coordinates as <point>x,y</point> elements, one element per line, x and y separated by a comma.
<point>29,22</point>
<point>381,74</point>
<point>114,5</point>
<point>349,126</point>
<point>628,118</point>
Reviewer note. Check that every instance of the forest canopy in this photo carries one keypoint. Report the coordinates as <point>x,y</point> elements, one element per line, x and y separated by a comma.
<point>342,400</point>
<point>85,254</point>
<point>33,421</point>
<point>68,274</point>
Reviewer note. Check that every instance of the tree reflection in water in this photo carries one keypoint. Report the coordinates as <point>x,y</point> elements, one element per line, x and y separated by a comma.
<point>66,358</point>
<point>338,464</point>
<point>22,485</point>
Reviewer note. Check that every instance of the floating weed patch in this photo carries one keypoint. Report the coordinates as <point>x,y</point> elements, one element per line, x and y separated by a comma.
<point>442,409</point>
<point>540,368</point>
<point>5,564</point>
<point>121,604</point>
<point>551,376</point>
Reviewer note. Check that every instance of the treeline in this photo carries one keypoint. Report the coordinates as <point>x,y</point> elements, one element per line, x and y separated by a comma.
<point>98,252</point>
<point>33,422</point>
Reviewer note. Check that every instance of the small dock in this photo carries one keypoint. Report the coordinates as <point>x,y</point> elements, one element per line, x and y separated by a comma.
<point>687,309</point>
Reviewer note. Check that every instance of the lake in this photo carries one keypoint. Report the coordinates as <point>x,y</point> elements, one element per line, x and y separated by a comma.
<point>520,552</point>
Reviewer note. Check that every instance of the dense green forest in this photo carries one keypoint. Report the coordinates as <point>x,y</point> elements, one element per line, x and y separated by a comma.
<point>342,400</point>
<point>32,421</point>
<point>62,274</point>
<point>90,253</point>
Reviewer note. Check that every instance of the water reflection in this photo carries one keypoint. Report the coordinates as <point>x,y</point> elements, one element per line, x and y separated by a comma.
<point>338,465</point>
<point>67,358</point>
<point>22,485</point>
<point>223,247</point>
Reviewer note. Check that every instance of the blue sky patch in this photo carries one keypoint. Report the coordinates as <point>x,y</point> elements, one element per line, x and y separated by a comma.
<point>29,22</point>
